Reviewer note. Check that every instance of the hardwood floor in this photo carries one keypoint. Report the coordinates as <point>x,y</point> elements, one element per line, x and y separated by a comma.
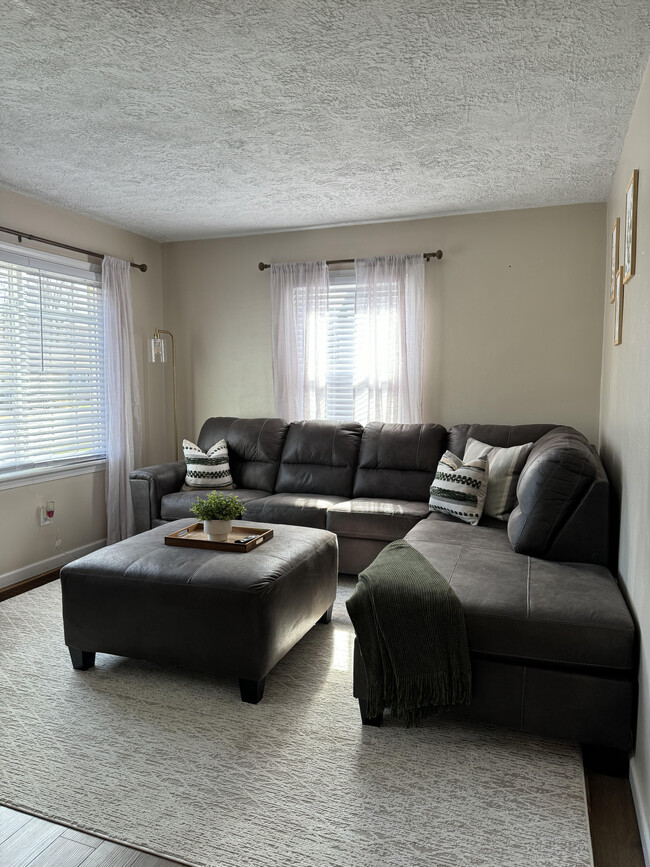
<point>28,584</point>
<point>27,841</point>
<point>612,821</point>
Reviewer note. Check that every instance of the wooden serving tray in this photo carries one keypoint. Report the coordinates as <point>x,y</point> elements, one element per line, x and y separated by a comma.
<point>194,537</point>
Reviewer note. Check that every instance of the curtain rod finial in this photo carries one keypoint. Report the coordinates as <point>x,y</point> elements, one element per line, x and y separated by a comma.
<point>262,266</point>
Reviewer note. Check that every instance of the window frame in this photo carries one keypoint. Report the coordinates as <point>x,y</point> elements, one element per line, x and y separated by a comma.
<point>74,270</point>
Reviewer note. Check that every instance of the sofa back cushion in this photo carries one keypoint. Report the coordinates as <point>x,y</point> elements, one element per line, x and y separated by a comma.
<point>398,461</point>
<point>504,435</point>
<point>319,457</point>
<point>254,447</point>
<point>562,511</point>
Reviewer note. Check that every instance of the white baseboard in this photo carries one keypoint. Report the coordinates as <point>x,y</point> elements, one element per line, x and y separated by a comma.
<point>34,569</point>
<point>641,815</point>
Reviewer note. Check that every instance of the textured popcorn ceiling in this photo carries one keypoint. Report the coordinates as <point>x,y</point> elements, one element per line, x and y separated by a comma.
<point>190,118</point>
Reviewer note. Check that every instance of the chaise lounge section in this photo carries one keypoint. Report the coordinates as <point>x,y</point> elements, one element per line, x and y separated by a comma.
<point>552,642</point>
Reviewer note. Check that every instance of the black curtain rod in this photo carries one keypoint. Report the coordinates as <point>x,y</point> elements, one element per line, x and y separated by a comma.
<point>428,256</point>
<point>21,235</point>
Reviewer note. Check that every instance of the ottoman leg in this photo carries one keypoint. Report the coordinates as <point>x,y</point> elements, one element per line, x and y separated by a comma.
<point>251,690</point>
<point>328,615</point>
<point>365,719</point>
<point>81,659</point>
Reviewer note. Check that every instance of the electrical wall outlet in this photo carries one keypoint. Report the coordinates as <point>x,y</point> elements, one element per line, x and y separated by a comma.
<point>47,513</point>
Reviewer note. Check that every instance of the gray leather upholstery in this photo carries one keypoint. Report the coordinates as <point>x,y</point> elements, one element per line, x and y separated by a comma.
<point>398,461</point>
<point>254,448</point>
<point>542,613</point>
<point>562,501</point>
<point>177,505</point>
<point>367,518</point>
<point>490,534</point>
<point>504,435</point>
<point>521,607</point>
<point>355,555</point>
<point>590,708</point>
<point>564,493</point>
<point>320,457</point>
<point>148,486</point>
<point>303,510</point>
<point>210,610</point>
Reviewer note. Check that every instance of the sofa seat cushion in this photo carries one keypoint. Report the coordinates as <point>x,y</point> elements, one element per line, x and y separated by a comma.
<point>370,518</point>
<point>490,533</point>
<point>531,610</point>
<point>303,510</point>
<point>177,505</point>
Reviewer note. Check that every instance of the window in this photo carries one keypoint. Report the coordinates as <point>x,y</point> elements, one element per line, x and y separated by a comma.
<point>348,345</point>
<point>51,362</point>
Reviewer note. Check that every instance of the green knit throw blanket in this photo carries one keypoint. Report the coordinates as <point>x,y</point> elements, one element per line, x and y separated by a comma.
<point>411,631</point>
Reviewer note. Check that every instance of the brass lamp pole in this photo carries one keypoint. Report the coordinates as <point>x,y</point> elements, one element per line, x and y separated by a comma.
<point>158,355</point>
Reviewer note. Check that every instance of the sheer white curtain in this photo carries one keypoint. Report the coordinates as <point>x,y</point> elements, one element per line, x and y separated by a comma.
<point>299,339</point>
<point>389,339</point>
<point>123,420</point>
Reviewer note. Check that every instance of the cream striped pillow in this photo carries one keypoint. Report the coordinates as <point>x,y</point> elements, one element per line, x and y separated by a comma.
<point>211,470</point>
<point>459,488</point>
<point>504,467</point>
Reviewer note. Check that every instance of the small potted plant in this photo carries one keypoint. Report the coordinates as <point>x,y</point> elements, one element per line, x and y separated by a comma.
<point>217,512</point>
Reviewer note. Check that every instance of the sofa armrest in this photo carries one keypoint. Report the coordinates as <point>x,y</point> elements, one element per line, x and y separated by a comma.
<point>148,486</point>
<point>562,510</point>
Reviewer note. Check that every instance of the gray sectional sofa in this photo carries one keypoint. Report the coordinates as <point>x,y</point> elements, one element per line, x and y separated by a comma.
<point>552,642</point>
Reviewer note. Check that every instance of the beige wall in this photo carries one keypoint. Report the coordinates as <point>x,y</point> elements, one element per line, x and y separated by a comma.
<point>513,318</point>
<point>80,511</point>
<point>625,425</point>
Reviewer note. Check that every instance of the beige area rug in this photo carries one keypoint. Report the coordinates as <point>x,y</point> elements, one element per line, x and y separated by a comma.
<point>173,762</point>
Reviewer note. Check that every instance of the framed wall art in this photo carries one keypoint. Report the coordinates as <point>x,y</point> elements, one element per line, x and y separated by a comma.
<point>631,196</point>
<point>616,231</point>
<point>618,308</point>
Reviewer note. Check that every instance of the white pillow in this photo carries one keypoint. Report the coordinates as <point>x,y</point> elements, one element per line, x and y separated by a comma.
<point>459,488</point>
<point>504,467</point>
<point>211,470</point>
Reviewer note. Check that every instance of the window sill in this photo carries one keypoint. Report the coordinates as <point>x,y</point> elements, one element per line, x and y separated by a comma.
<point>37,476</point>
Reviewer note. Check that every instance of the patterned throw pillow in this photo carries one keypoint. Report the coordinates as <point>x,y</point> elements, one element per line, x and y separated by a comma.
<point>504,467</point>
<point>211,470</point>
<point>459,488</point>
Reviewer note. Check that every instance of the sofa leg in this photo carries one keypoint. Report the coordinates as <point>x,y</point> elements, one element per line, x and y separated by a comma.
<point>368,720</point>
<point>251,690</point>
<point>81,659</point>
<point>328,615</point>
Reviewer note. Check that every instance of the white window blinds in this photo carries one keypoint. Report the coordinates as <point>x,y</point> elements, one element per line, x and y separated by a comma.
<point>340,345</point>
<point>51,362</point>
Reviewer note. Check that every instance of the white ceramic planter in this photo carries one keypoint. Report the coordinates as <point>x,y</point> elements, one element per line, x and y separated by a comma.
<point>217,530</point>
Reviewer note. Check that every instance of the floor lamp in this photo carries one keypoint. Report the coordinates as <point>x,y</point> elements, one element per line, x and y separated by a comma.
<point>158,356</point>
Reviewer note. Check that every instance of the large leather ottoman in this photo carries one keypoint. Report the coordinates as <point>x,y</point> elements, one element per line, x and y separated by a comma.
<point>228,613</point>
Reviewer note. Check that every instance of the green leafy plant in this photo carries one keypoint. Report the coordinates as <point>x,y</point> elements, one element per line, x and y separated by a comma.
<point>218,507</point>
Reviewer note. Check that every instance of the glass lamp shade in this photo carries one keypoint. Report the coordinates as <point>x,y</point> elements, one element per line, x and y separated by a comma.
<point>157,349</point>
